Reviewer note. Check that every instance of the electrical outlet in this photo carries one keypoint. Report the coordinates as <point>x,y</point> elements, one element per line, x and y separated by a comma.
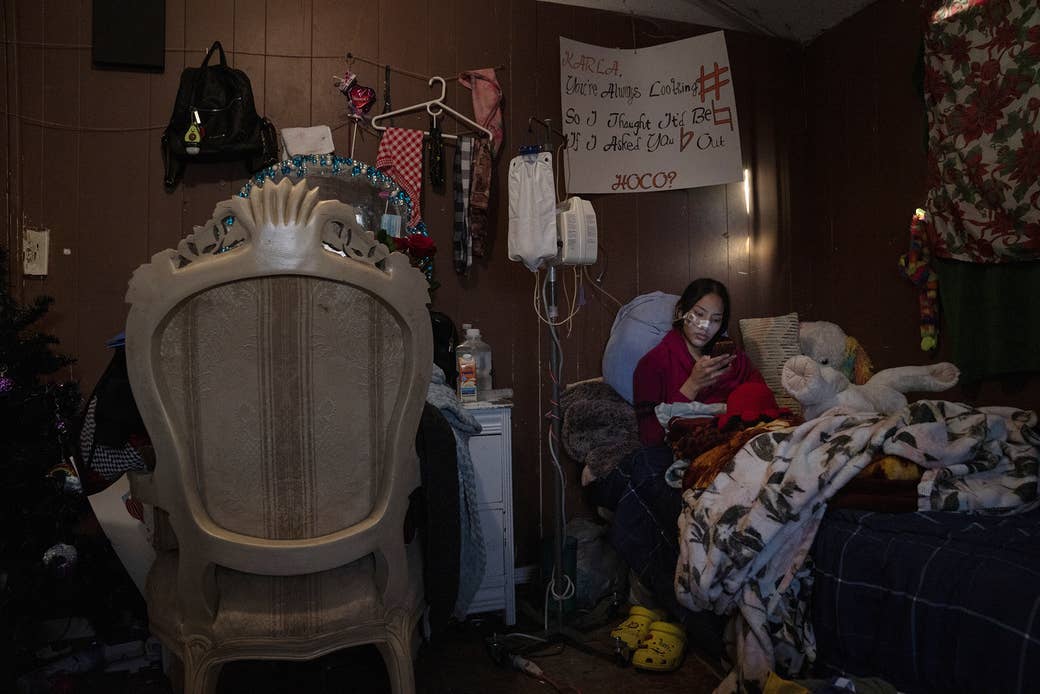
<point>35,246</point>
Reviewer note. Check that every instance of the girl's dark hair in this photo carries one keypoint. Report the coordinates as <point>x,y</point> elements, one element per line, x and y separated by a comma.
<point>693,293</point>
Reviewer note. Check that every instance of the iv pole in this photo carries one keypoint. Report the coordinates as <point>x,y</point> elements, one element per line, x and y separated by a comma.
<point>561,586</point>
<point>559,579</point>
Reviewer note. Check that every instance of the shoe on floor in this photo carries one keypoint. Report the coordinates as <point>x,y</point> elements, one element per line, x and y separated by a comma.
<point>662,649</point>
<point>635,628</point>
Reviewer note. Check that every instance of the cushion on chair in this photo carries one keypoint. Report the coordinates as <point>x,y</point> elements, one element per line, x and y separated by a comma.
<point>253,605</point>
<point>638,327</point>
<point>769,342</point>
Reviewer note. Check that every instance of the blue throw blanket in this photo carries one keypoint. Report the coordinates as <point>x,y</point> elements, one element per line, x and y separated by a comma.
<point>931,601</point>
<point>472,558</point>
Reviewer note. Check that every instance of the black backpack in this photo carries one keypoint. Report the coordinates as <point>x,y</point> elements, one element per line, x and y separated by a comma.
<point>215,119</point>
<point>445,338</point>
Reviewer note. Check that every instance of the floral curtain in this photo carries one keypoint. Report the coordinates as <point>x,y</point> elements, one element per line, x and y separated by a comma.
<point>982,94</point>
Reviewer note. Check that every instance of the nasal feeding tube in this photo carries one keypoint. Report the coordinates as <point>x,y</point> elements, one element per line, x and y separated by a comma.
<point>692,319</point>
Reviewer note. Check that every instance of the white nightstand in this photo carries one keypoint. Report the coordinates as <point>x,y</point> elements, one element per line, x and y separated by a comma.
<point>492,452</point>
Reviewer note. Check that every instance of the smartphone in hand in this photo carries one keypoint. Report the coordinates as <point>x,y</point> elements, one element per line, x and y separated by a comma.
<point>724,346</point>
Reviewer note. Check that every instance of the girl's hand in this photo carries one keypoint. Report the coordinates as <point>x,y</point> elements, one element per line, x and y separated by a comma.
<point>705,372</point>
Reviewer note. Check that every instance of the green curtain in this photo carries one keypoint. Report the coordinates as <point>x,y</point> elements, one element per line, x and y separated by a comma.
<point>991,316</point>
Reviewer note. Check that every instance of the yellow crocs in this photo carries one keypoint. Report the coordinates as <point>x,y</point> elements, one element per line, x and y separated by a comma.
<point>662,649</point>
<point>634,629</point>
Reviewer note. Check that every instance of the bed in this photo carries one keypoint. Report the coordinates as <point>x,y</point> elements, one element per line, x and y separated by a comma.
<point>823,569</point>
<point>930,601</point>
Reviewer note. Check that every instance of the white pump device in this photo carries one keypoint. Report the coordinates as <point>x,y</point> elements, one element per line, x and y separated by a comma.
<point>576,227</point>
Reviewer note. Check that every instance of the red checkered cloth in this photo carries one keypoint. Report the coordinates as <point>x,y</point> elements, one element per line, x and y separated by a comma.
<point>400,156</point>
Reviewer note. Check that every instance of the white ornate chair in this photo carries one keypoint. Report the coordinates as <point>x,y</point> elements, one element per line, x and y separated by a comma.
<point>281,384</point>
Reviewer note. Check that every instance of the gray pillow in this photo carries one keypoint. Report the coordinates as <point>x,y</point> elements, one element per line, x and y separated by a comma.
<point>638,327</point>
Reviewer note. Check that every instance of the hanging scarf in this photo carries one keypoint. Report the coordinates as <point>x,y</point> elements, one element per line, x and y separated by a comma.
<point>479,196</point>
<point>435,157</point>
<point>487,102</point>
<point>487,107</point>
<point>461,238</point>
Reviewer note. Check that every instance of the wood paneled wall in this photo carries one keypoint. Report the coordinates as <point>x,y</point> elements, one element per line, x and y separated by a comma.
<point>865,176</point>
<point>81,150</point>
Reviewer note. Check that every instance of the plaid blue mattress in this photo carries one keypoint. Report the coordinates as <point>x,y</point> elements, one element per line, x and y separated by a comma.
<point>931,602</point>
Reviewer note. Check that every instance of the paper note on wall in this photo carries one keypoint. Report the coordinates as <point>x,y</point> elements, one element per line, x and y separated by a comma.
<point>657,118</point>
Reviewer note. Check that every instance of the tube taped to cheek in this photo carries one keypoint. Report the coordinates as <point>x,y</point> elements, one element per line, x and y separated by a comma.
<point>696,322</point>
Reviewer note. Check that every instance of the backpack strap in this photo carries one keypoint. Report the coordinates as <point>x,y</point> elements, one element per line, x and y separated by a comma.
<point>200,73</point>
<point>215,47</point>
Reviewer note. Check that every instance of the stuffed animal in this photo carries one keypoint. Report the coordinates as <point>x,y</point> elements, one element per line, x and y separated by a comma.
<point>818,387</point>
<point>828,344</point>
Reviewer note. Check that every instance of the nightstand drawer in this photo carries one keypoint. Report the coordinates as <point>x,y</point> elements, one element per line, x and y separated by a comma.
<point>489,460</point>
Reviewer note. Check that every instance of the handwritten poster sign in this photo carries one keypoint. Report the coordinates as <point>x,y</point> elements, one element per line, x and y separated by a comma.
<point>657,118</point>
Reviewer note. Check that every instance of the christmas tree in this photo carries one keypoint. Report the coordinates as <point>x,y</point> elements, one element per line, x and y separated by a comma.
<point>57,568</point>
<point>41,499</point>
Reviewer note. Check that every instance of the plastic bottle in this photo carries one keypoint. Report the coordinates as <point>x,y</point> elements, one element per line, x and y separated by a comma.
<point>474,360</point>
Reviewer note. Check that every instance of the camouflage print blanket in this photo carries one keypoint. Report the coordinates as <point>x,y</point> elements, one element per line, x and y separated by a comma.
<point>743,540</point>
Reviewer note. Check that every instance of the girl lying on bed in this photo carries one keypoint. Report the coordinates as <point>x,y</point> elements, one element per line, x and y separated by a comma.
<point>694,361</point>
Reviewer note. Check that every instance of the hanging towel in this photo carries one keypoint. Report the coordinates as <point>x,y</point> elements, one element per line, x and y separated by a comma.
<point>487,102</point>
<point>461,238</point>
<point>400,156</point>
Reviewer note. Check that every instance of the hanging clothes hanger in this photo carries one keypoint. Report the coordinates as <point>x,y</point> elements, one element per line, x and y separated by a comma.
<point>547,124</point>
<point>435,107</point>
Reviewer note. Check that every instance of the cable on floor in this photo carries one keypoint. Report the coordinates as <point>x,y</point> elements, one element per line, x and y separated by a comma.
<point>529,668</point>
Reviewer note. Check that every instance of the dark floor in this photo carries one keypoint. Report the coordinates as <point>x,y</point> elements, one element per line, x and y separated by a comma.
<point>457,661</point>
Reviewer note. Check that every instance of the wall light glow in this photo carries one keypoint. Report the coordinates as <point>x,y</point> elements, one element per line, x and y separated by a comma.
<point>747,191</point>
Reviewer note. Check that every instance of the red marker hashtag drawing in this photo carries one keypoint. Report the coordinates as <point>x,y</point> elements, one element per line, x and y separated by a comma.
<point>716,83</point>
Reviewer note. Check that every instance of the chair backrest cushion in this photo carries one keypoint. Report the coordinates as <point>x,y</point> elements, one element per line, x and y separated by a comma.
<point>258,374</point>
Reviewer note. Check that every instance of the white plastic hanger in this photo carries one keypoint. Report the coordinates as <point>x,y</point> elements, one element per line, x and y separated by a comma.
<point>435,107</point>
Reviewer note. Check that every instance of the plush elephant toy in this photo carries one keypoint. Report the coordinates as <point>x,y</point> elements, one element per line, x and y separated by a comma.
<point>828,344</point>
<point>819,387</point>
